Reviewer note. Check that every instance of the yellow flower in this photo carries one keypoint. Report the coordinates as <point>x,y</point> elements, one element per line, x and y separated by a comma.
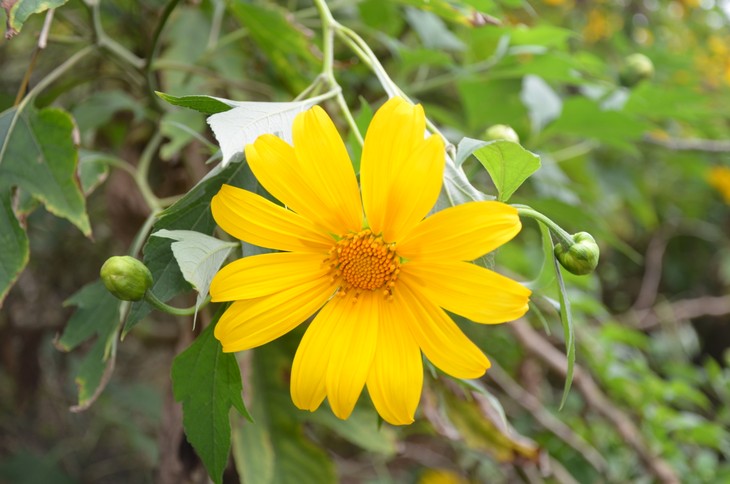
<point>378,270</point>
<point>441,476</point>
<point>719,178</point>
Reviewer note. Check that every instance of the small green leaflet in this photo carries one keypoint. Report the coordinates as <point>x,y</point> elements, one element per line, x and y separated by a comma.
<point>204,104</point>
<point>208,383</point>
<point>565,315</point>
<point>14,250</point>
<point>37,153</point>
<point>199,257</point>
<point>509,164</point>
<point>97,314</point>
<point>18,12</point>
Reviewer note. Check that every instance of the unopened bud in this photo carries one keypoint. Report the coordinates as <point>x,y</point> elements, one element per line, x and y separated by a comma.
<point>581,257</point>
<point>637,67</point>
<point>126,277</point>
<point>501,131</point>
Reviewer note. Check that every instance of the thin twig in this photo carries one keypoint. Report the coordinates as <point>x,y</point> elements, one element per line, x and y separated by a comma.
<point>536,345</point>
<point>652,269</point>
<point>684,310</point>
<point>543,416</point>
<point>690,144</point>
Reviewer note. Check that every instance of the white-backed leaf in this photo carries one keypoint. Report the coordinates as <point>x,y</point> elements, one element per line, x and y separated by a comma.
<point>199,257</point>
<point>541,101</point>
<point>241,125</point>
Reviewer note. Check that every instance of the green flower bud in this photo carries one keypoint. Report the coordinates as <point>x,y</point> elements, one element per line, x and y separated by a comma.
<point>581,258</point>
<point>637,67</point>
<point>501,131</point>
<point>126,277</point>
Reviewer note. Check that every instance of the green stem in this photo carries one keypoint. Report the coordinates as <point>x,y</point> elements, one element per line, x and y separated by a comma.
<point>109,44</point>
<point>153,301</point>
<point>164,16</point>
<point>565,237</point>
<point>142,234</point>
<point>143,169</point>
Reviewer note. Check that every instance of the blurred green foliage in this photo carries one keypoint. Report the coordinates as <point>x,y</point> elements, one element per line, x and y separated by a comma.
<point>635,164</point>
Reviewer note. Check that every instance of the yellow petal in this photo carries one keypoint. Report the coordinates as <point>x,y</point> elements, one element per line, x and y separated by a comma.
<point>274,163</point>
<point>253,322</point>
<point>395,133</point>
<point>440,339</point>
<point>463,232</point>
<point>313,355</point>
<point>325,166</point>
<point>351,347</point>
<point>266,274</point>
<point>396,377</point>
<point>468,290</point>
<point>254,219</point>
<point>409,202</point>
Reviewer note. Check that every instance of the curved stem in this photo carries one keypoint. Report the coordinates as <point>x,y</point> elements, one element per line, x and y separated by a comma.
<point>164,16</point>
<point>525,211</point>
<point>153,301</point>
<point>143,169</point>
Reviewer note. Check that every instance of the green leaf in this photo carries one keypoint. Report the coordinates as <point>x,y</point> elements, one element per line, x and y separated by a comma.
<point>284,44</point>
<point>541,101</point>
<point>192,212</point>
<point>37,153</point>
<point>97,313</point>
<point>204,104</point>
<point>100,107</point>
<point>93,169</point>
<point>361,429</point>
<point>565,314</point>
<point>199,257</point>
<point>274,449</point>
<point>18,12</point>
<point>208,383</point>
<point>509,164</point>
<point>14,250</point>
<point>584,118</point>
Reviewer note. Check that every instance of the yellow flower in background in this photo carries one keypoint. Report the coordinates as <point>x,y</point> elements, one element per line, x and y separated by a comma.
<point>441,476</point>
<point>719,178</point>
<point>379,271</point>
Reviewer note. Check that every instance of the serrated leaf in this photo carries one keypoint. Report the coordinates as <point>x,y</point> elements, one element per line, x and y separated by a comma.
<point>14,250</point>
<point>565,314</point>
<point>37,153</point>
<point>208,383</point>
<point>274,449</point>
<point>202,104</point>
<point>18,12</point>
<point>241,125</point>
<point>192,212</point>
<point>508,164</point>
<point>199,257</point>
<point>97,313</point>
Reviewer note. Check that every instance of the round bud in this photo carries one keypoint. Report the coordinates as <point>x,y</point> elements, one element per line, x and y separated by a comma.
<point>126,277</point>
<point>581,257</point>
<point>501,131</point>
<point>637,67</point>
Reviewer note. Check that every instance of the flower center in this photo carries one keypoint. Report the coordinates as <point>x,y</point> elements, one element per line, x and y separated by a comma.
<point>364,261</point>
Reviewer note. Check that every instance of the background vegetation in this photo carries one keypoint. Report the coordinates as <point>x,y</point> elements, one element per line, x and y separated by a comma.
<point>637,161</point>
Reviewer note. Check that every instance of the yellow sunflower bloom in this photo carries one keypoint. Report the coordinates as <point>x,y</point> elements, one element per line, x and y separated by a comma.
<point>375,268</point>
